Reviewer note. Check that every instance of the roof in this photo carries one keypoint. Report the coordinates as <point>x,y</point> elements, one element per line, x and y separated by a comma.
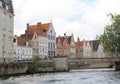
<point>61,39</point>
<point>21,41</point>
<point>79,44</point>
<point>40,29</point>
<point>46,26</point>
<point>94,44</point>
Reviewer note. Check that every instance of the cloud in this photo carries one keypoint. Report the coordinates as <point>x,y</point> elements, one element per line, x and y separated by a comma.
<point>83,18</point>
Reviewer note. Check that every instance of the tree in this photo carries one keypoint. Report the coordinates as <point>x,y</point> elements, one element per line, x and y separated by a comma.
<point>111,36</point>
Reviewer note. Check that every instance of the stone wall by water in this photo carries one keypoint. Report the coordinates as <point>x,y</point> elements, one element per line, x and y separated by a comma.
<point>61,62</point>
<point>12,68</point>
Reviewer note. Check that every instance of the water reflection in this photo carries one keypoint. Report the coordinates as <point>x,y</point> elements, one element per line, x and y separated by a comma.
<point>86,76</point>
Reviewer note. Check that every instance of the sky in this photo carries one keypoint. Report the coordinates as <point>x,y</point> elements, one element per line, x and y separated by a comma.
<point>84,18</point>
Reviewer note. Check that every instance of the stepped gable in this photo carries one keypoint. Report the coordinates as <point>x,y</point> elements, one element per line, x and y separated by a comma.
<point>69,39</point>
<point>61,39</point>
<point>81,43</point>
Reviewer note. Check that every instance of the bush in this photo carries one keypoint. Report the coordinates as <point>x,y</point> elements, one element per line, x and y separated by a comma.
<point>35,66</point>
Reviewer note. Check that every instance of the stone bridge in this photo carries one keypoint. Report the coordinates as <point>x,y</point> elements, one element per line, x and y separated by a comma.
<point>79,62</point>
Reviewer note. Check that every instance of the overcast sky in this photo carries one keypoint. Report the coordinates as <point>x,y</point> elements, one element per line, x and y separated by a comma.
<point>84,18</point>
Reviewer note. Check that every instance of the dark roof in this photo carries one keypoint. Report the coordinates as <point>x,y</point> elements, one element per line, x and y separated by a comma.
<point>9,4</point>
<point>94,44</point>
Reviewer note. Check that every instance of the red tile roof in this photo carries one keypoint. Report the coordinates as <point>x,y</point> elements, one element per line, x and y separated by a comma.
<point>40,29</point>
<point>21,41</point>
<point>79,44</point>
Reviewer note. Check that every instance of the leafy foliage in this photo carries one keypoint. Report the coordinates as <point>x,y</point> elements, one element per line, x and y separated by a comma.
<point>37,63</point>
<point>111,36</point>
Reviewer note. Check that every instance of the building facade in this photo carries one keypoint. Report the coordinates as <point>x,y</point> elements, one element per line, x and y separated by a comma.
<point>79,48</point>
<point>43,47</point>
<point>89,49</point>
<point>42,38</point>
<point>71,42</point>
<point>62,46</point>
<point>51,34</point>
<point>6,31</point>
<point>66,46</point>
<point>22,52</point>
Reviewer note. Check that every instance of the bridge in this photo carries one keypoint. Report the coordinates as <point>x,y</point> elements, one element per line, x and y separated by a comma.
<point>80,62</point>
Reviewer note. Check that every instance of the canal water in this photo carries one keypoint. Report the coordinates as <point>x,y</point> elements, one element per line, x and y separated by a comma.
<point>84,76</point>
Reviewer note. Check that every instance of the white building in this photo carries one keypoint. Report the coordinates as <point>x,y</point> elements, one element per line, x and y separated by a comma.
<point>92,49</point>
<point>6,31</point>
<point>42,38</point>
<point>71,42</point>
<point>87,51</point>
<point>51,34</point>
<point>43,46</point>
<point>22,52</point>
<point>100,51</point>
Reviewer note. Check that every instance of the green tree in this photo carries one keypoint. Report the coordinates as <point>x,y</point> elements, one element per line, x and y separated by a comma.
<point>111,36</point>
<point>34,66</point>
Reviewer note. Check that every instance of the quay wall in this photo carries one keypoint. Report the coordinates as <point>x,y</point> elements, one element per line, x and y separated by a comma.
<point>12,68</point>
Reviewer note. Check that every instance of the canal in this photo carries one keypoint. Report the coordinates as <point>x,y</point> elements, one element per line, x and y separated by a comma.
<point>84,76</point>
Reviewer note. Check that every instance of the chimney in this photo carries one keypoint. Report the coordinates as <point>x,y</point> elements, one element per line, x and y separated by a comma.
<point>27,44</point>
<point>39,23</point>
<point>65,35</point>
<point>78,39</point>
<point>27,25</point>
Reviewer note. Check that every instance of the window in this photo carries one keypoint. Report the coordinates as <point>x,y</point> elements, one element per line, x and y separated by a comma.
<point>3,39</point>
<point>10,40</point>
<point>49,45</point>
<point>54,45</point>
<point>9,23</point>
<point>3,20</point>
<point>51,31</point>
<point>1,3</point>
<point>49,37</point>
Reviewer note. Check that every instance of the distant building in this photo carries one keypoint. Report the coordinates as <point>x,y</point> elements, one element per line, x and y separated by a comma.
<point>62,46</point>
<point>89,49</point>
<point>22,52</point>
<point>51,34</point>
<point>100,51</point>
<point>42,38</point>
<point>65,46</point>
<point>79,48</point>
<point>6,30</point>
<point>71,42</point>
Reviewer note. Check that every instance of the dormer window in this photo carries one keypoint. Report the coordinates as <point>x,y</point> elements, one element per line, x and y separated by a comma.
<point>0,3</point>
